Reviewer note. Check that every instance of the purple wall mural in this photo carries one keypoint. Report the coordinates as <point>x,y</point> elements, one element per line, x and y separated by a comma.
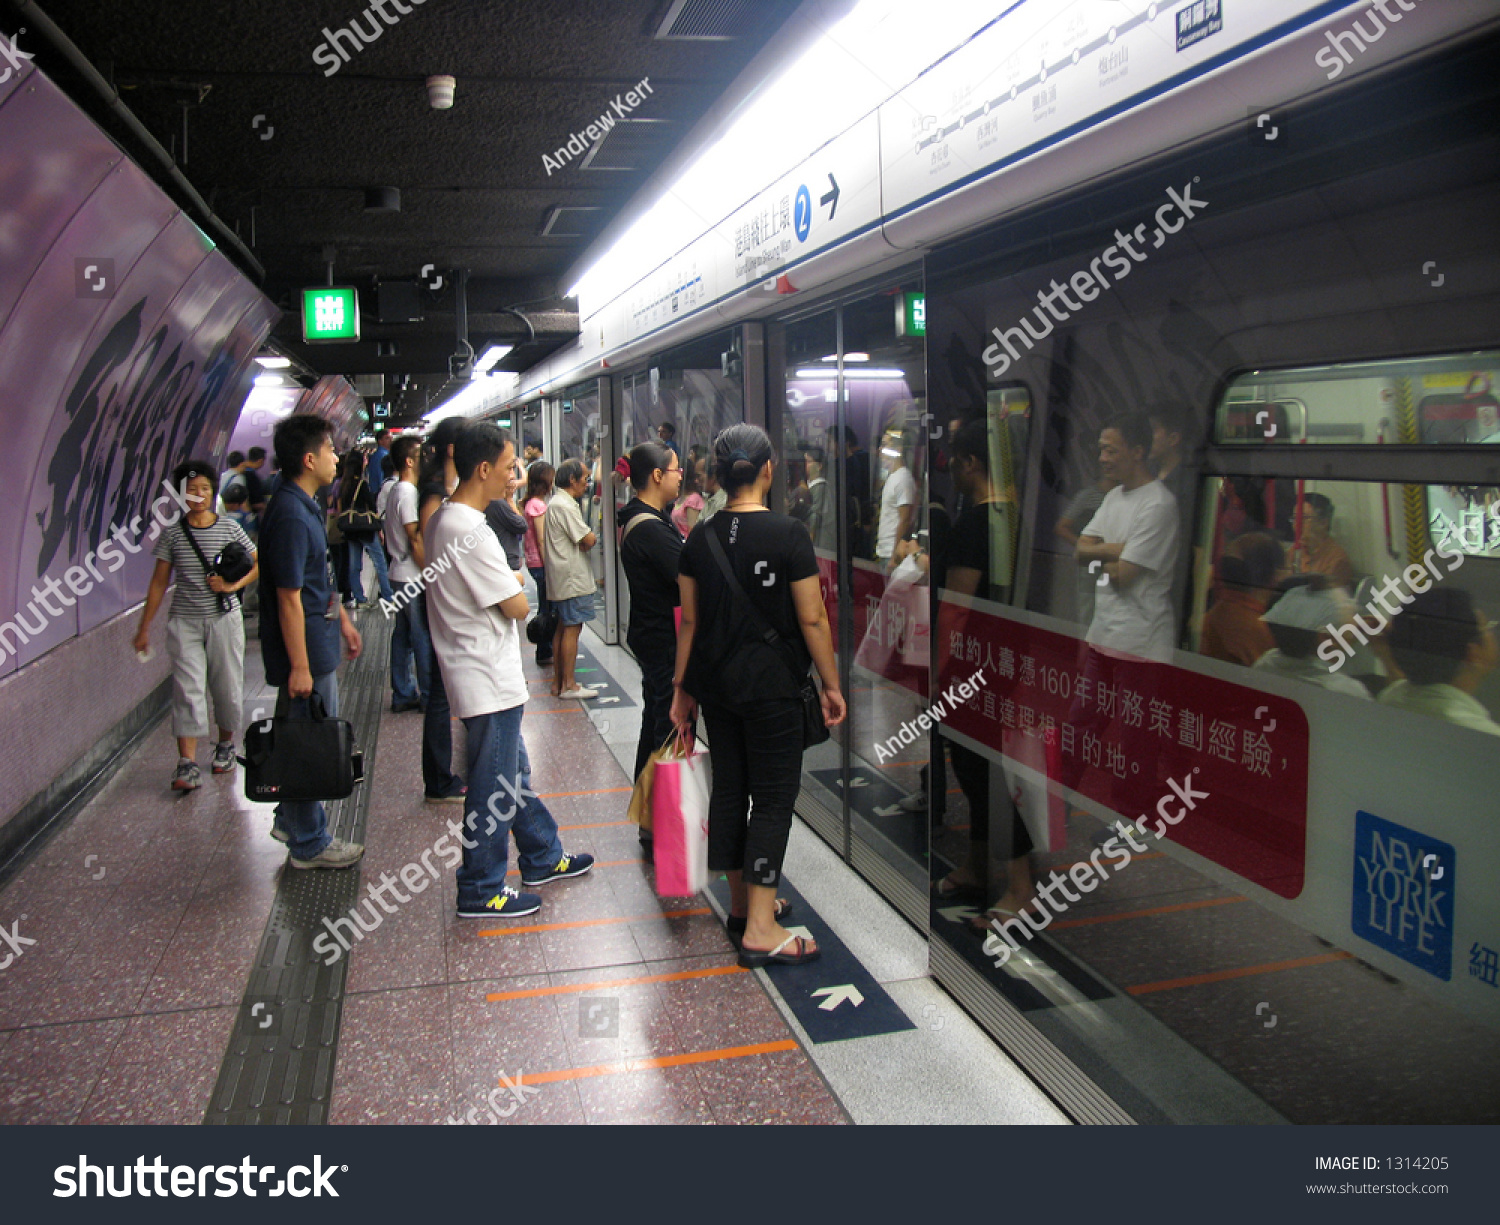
<point>126,345</point>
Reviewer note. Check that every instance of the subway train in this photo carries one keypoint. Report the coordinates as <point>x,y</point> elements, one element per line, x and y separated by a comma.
<point>1273,232</point>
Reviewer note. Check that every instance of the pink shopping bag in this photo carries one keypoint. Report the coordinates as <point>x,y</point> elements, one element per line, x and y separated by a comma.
<point>679,820</point>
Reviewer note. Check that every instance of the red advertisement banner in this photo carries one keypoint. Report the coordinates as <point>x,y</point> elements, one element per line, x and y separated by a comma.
<point>1117,730</point>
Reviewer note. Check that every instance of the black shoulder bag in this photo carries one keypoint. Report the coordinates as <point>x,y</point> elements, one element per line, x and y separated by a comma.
<point>814,730</point>
<point>231,564</point>
<point>301,759</point>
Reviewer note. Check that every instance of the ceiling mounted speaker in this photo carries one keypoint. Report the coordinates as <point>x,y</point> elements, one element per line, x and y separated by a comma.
<point>382,199</point>
<point>440,92</point>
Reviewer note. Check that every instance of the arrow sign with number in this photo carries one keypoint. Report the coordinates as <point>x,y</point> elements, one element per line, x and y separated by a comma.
<point>890,810</point>
<point>831,196</point>
<point>958,914</point>
<point>837,995</point>
<point>798,931</point>
<point>606,701</point>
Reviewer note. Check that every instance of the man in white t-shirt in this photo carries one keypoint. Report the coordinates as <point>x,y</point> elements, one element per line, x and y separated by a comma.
<point>1131,546</point>
<point>898,499</point>
<point>403,545</point>
<point>476,609</point>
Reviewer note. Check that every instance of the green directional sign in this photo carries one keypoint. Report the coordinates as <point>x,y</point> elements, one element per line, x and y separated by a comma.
<point>911,314</point>
<point>330,313</point>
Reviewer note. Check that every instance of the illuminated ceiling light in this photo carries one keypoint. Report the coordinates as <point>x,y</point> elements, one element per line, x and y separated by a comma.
<point>491,357</point>
<point>274,362</point>
<point>848,357</point>
<point>873,372</point>
<point>269,380</point>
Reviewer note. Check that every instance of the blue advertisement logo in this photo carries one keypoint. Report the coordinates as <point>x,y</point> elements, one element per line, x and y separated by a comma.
<point>1404,883</point>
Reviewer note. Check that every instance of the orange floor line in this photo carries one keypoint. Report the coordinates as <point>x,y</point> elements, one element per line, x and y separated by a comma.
<point>1141,914</point>
<point>596,825</point>
<point>680,976</point>
<point>557,927</point>
<point>1218,976</point>
<point>557,795</point>
<point>659,1061</point>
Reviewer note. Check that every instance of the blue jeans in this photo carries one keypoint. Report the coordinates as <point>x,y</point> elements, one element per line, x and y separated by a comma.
<point>410,646</point>
<point>437,726</point>
<point>500,803</point>
<point>306,821</point>
<point>357,563</point>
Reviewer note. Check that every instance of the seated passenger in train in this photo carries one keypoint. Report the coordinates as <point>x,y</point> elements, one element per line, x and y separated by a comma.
<point>1319,552</point>
<point>1445,646</point>
<point>1248,572</point>
<point>1297,621</point>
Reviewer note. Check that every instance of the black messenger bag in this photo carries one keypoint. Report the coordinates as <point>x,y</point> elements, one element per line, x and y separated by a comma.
<point>290,758</point>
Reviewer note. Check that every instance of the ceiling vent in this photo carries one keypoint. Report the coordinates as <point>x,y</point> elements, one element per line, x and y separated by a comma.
<point>570,221</point>
<point>629,145</point>
<point>707,20</point>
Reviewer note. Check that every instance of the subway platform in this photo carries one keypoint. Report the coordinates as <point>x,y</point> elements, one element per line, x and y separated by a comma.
<point>173,976</point>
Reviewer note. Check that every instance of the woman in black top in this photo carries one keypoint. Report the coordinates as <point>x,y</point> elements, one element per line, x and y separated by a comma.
<point>649,547</point>
<point>749,690</point>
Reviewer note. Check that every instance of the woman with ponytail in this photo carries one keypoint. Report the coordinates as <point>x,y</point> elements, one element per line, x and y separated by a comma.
<point>749,689</point>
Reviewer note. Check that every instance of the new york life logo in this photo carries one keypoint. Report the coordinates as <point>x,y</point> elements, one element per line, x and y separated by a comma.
<point>1403,893</point>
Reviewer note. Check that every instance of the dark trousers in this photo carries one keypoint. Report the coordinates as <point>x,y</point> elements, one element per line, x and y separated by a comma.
<point>437,724</point>
<point>544,649</point>
<point>657,661</point>
<point>340,555</point>
<point>973,773</point>
<point>756,757</point>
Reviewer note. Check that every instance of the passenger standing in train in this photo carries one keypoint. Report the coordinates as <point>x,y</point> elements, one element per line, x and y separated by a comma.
<point>649,547</point>
<point>1445,646</point>
<point>898,499</point>
<point>477,608</point>
<point>749,689</point>
<point>689,505</point>
<point>666,434</point>
<point>1075,517</point>
<point>205,632</point>
<point>822,514</point>
<point>410,650</point>
<point>1318,552</point>
<point>1130,548</point>
<point>538,489</point>
<point>438,478</point>
<point>1133,538</point>
<point>1298,619</point>
<point>1249,570</point>
<point>570,581</point>
<point>299,645</point>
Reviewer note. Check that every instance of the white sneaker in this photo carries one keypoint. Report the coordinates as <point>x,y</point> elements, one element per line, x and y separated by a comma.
<point>337,854</point>
<point>578,691</point>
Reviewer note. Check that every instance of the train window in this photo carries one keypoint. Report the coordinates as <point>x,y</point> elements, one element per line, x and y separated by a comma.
<point>1439,400</point>
<point>1372,590</point>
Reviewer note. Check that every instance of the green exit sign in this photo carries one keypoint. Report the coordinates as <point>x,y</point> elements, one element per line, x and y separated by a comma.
<point>911,314</point>
<point>330,314</point>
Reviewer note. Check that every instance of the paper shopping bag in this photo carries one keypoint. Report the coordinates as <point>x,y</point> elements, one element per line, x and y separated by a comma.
<point>679,819</point>
<point>639,812</point>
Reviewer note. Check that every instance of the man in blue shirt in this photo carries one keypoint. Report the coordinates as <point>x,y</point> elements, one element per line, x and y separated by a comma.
<point>374,473</point>
<point>299,645</point>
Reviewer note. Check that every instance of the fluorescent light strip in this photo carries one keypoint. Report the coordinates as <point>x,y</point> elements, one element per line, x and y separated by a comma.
<point>867,372</point>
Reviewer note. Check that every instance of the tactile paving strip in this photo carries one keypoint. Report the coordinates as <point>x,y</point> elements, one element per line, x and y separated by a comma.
<point>279,1065</point>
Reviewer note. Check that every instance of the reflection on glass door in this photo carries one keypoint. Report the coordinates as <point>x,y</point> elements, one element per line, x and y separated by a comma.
<point>855,412</point>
